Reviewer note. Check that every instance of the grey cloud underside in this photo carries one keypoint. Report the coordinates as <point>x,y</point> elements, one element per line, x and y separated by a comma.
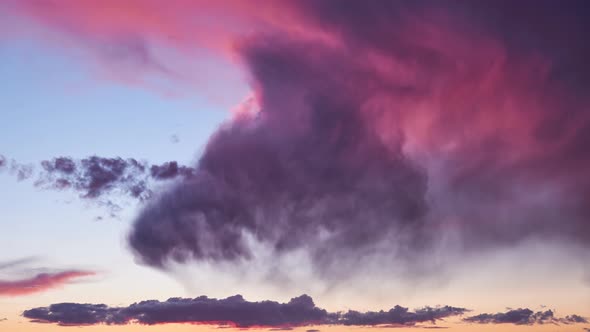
<point>525,317</point>
<point>232,311</point>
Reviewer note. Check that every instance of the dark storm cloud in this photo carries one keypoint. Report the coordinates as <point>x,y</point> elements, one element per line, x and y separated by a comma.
<point>480,175</point>
<point>449,121</point>
<point>385,128</point>
<point>232,311</point>
<point>524,317</point>
<point>298,170</point>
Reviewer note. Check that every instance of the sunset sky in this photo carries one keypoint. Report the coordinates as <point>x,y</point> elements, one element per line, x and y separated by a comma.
<point>306,165</point>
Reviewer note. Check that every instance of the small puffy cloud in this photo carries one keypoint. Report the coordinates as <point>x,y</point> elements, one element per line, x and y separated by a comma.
<point>400,316</point>
<point>98,179</point>
<point>524,316</point>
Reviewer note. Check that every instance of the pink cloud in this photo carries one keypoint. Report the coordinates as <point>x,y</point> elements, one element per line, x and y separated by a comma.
<point>40,283</point>
<point>169,47</point>
<point>473,125</point>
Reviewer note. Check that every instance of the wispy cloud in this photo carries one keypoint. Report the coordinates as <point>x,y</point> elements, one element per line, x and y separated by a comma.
<point>40,282</point>
<point>16,262</point>
<point>97,179</point>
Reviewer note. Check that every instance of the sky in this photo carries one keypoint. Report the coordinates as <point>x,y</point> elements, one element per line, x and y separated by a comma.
<point>310,165</point>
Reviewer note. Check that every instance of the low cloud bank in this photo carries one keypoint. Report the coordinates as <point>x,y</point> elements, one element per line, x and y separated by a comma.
<point>232,311</point>
<point>235,311</point>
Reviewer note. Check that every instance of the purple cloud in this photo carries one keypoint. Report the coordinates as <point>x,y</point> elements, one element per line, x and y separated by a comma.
<point>231,311</point>
<point>98,177</point>
<point>524,317</point>
<point>450,124</point>
<point>40,282</point>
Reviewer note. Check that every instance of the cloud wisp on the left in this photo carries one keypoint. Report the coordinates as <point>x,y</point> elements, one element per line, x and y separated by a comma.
<point>36,282</point>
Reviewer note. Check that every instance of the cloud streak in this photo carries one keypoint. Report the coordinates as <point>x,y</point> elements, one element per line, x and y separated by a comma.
<point>40,283</point>
<point>232,311</point>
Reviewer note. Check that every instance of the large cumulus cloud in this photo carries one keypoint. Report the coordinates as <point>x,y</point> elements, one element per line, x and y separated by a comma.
<point>389,127</point>
<point>308,170</point>
<point>383,127</point>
